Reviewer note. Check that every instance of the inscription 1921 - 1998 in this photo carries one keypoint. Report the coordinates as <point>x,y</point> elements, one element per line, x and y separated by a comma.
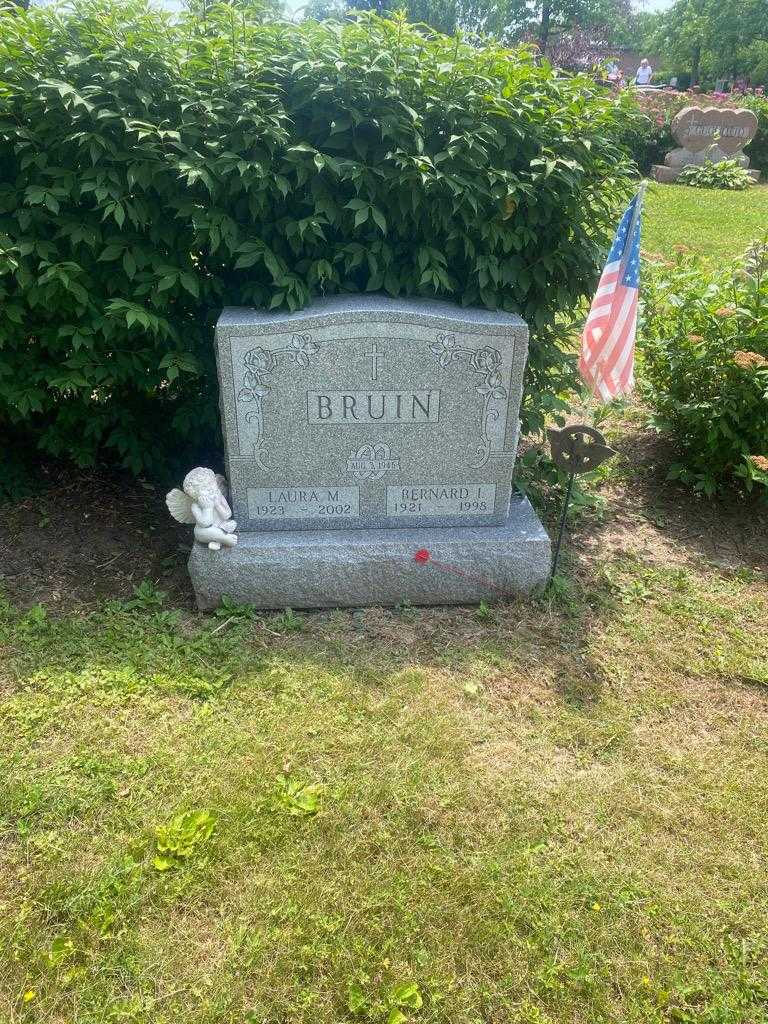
<point>441,500</point>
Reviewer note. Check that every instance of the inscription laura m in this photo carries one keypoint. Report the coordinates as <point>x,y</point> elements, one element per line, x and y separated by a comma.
<point>303,502</point>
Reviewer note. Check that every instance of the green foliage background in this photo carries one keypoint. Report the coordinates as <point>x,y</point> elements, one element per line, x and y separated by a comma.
<point>704,366</point>
<point>704,40</point>
<point>153,171</point>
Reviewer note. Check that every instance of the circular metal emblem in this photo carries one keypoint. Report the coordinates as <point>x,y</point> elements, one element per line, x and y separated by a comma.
<point>578,449</point>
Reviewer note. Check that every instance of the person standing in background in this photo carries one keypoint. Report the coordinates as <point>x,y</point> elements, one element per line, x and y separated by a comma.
<point>644,73</point>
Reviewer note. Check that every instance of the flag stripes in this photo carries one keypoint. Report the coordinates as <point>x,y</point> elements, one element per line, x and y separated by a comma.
<point>608,341</point>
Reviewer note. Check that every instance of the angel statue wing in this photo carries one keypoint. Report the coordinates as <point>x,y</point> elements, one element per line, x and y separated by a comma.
<point>222,506</point>
<point>180,506</point>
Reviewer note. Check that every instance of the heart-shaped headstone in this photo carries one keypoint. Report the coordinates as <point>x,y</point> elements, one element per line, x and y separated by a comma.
<point>697,128</point>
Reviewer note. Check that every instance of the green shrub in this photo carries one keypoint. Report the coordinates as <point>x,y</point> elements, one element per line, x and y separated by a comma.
<point>757,150</point>
<point>727,174</point>
<point>154,170</point>
<point>703,341</point>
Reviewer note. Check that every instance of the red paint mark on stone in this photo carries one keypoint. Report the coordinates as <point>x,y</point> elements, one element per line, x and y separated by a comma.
<point>423,556</point>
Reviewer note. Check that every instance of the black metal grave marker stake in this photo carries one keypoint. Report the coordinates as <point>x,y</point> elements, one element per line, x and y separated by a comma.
<point>576,449</point>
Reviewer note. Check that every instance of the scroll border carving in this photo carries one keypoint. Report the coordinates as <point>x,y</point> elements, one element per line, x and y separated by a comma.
<point>259,363</point>
<point>484,361</point>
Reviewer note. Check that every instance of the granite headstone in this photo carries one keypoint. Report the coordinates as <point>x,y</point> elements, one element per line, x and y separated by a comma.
<point>360,431</point>
<point>708,134</point>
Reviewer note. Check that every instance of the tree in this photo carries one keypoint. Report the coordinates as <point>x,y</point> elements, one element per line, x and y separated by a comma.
<point>548,20</point>
<point>717,38</point>
<point>554,25</point>
<point>682,34</point>
<point>319,10</point>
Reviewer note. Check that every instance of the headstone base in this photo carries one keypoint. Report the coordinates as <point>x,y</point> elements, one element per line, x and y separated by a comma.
<point>355,568</point>
<point>666,175</point>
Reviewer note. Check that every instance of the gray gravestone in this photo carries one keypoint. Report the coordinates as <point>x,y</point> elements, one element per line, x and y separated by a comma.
<point>708,134</point>
<point>363,430</point>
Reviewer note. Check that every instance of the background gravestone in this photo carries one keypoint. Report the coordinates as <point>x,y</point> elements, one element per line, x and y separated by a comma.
<point>708,133</point>
<point>360,431</point>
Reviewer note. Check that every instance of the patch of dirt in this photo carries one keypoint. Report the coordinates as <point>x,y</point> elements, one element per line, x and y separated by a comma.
<point>87,537</point>
<point>661,521</point>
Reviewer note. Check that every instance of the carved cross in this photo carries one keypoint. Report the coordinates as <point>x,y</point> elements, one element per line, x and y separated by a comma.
<point>376,357</point>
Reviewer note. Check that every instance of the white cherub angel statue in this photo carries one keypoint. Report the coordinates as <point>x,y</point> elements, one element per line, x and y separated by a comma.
<point>203,502</point>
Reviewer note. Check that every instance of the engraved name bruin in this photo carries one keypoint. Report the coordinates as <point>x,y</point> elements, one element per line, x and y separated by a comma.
<point>350,407</point>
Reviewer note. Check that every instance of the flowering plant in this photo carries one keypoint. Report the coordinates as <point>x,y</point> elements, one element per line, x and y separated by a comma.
<point>703,366</point>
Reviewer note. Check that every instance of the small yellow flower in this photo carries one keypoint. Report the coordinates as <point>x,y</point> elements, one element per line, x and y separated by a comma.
<point>596,907</point>
<point>29,995</point>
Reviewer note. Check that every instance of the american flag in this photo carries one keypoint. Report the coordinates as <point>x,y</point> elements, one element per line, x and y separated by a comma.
<point>608,342</point>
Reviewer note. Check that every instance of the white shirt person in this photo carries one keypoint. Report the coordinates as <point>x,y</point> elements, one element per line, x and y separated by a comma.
<point>644,73</point>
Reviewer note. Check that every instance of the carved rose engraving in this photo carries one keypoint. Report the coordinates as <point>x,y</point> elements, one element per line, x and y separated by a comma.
<point>259,362</point>
<point>486,362</point>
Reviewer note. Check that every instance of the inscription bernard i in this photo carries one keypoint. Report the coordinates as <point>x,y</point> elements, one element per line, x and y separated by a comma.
<point>441,500</point>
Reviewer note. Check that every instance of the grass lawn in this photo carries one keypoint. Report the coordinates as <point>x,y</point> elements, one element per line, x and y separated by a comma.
<point>537,813</point>
<point>717,224</point>
<point>528,814</point>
